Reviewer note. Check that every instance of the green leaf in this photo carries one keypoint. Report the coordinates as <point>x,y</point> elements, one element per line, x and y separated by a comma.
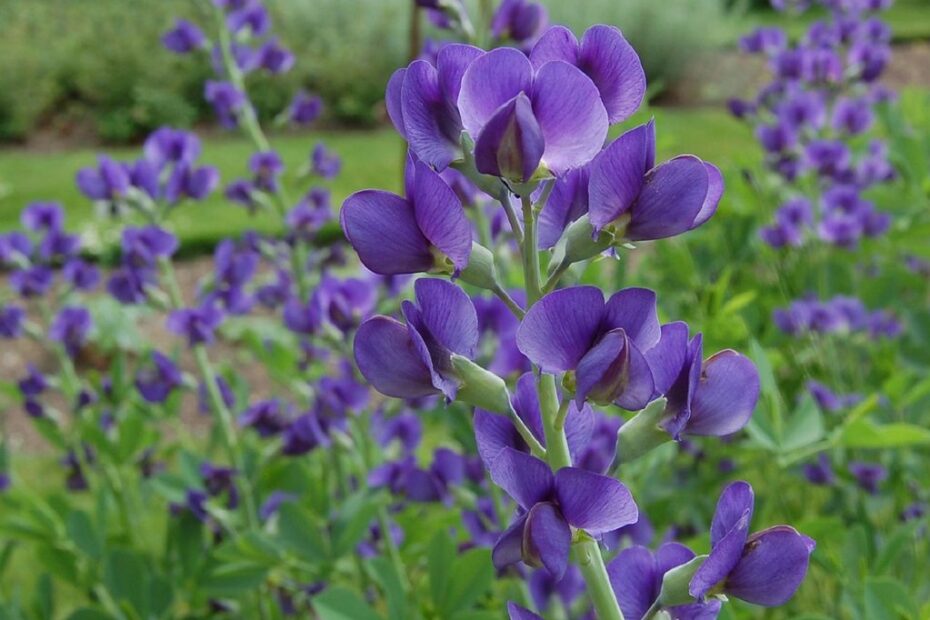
<point>338,603</point>
<point>43,600</point>
<point>81,530</point>
<point>887,599</point>
<point>440,557</point>
<point>867,434</point>
<point>383,572</point>
<point>474,574</point>
<point>895,544</point>
<point>126,576</point>
<point>298,533</point>
<point>804,427</point>
<point>233,578</point>
<point>352,523</point>
<point>86,613</point>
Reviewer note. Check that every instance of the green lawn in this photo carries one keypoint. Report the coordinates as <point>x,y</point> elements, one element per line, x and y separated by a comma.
<point>370,159</point>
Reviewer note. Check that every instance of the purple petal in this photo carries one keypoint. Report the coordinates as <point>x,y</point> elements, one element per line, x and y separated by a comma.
<point>579,428</point>
<point>526,404</point>
<point>452,62</point>
<point>570,113</point>
<point>615,69</point>
<point>567,202</point>
<point>521,613</point>
<point>670,555</point>
<point>635,581</point>
<point>511,143</point>
<point>493,433</point>
<point>671,199</point>
<point>490,81</point>
<point>431,122</point>
<point>386,357</point>
<point>617,175</point>
<point>772,568</point>
<point>434,356</point>
<point>668,356</point>
<point>393,101</point>
<point>547,539</point>
<point>449,315</point>
<point>525,478</point>
<point>383,230</point>
<point>592,502</point>
<point>558,43</point>
<point>440,216</point>
<point>736,502</point>
<point>509,547</point>
<point>614,371</point>
<point>634,310</point>
<point>560,328</point>
<point>725,396</point>
<point>715,188</point>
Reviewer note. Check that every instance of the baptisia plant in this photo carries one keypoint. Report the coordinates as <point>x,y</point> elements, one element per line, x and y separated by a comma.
<point>528,130</point>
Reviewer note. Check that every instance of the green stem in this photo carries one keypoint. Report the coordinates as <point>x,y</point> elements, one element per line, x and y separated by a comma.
<point>553,279</point>
<point>512,305</point>
<point>248,120</point>
<point>530,251</point>
<point>588,552</point>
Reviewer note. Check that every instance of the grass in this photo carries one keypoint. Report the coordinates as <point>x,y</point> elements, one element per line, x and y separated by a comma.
<point>370,159</point>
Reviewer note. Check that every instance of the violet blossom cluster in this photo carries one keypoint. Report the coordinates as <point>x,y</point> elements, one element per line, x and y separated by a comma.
<point>840,315</point>
<point>528,129</point>
<point>816,119</point>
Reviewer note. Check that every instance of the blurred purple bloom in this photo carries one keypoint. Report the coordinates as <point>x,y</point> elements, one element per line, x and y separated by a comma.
<point>158,379</point>
<point>198,325</point>
<point>274,57</point>
<point>305,108</point>
<point>521,21</point>
<point>12,319</point>
<point>32,281</point>
<point>252,16</point>
<point>184,37</point>
<point>226,100</point>
<point>324,162</point>
<point>43,216</point>
<point>108,181</point>
<point>267,168</point>
<point>267,417</point>
<point>820,473</point>
<point>70,328</point>
<point>868,475</point>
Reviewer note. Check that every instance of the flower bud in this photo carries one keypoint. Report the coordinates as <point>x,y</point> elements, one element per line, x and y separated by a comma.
<point>480,271</point>
<point>642,434</point>
<point>676,582</point>
<point>479,387</point>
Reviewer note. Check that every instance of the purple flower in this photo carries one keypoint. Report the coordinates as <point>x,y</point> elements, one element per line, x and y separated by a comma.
<point>869,59</point>
<point>197,325</point>
<point>521,117</point>
<point>422,101</point>
<point>521,21</point>
<point>219,479</point>
<point>820,473</point>
<point>552,504</point>
<point>765,568</point>
<point>158,379</point>
<point>226,393</point>
<point>267,167</point>
<point>81,275</point>
<point>776,138</point>
<point>544,587</point>
<point>324,163</point>
<point>43,216</point>
<point>604,56</point>
<point>305,108</point>
<point>394,235</point>
<point>226,100</point>
<point>11,321</point>
<point>184,37</point>
<point>303,435</point>
<point>193,183</point>
<point>413,360</point>
<point>233,269</point>
<point>267,417</point>
<point>171,146</point>
<point>714,397</point>
<point>58,246</point>
<point>495,432</point>
<point>32,281</point>
<point>852,116</point>
<point>128,284</point>
<point>573,330</point>
<point>868,475</point>
<point>271,505</point>
<point>242,192</point>
<point>515,612</point>
<point>768,40</point>
<point>636,577</point>
<point>799,111</point>
<point>345,303</point>
<point>70,328</point>
<point>33,384</point>
<point>252,16</point>
<point>642,201</point>
<point>143,247</point>
<point>311,213</point>
<point>15,248</point>
<point>274,57</point>
<point>109,181</point>
<point>404,428</point>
